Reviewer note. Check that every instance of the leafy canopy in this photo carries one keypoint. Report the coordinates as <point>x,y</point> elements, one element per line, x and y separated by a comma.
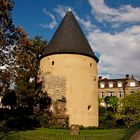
<point>112,101</point>
<point>130,109</point>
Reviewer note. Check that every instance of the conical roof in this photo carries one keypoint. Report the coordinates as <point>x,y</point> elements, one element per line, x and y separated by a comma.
<point>69,39</point>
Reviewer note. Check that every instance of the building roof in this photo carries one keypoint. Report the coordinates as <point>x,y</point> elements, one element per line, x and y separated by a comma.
<point>115,82</point>
<point>124,81</point>
<point>69,39</point>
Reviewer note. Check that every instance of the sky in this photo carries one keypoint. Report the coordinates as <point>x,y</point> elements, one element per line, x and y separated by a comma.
<point>112,28</point>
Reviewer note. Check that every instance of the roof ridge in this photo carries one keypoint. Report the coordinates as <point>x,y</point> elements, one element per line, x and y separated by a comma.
<point>69,38</point>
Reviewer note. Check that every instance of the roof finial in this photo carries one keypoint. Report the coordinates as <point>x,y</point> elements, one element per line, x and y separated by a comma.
<point>69,9</point>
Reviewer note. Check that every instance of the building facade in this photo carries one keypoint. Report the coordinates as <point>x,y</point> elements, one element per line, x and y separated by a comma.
<point>68,70</point>
<point>118,87</point>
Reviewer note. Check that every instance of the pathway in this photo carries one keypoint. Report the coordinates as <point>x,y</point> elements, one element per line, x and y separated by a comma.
<point>136,136</point>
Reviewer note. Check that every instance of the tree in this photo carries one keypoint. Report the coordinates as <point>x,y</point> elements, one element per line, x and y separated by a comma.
<point>130,109</point>
<point>10,36</point>
<point>7,37</point>
<point>107,119</point>
<point>42,103</point>
<point>9,99</point>
<point>6,25</point>
<point>112,101</point>
<point>28,57</point>
<point>19,55</point>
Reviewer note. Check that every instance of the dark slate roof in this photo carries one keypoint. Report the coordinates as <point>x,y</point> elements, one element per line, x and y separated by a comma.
<point>69,38</point>
<point>115,81</point>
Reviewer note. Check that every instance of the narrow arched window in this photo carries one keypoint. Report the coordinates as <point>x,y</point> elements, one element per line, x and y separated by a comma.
<point>110,84</point>
<point>102,85</point>
<point>132,84</point>
<point>52,62</point>
<point>119,84</point>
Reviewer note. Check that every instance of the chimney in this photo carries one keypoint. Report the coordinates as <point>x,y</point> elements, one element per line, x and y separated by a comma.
<point>100,77</point>
<point>127,76</point>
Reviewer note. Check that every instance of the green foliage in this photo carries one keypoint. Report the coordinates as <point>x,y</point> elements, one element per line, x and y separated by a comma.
<point>112,101</point>
<point>9,99</point>
<point>18,118</point>
<point>44,121</point>
<point>66,125</point>
<point>100,101</point>
<point>28,57</point>
<point>19,55</point>
<point>6,24</point>
<point>130,109</point>
<point>107,119</point>
<point>42,103</point>
<point>7,31</point>
<point>21,123</point>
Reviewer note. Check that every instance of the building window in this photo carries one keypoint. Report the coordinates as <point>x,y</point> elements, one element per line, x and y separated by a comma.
<point>132,91</point>
<point>101,95</point>
<point>110,93</point>
<point>52,62</point>
<point>89,107</point>
<point>94,78</point>
<point>132,84</point>
<point>110,85</point>
<point>90,64</point>
<point>120,95</point>
<point>102,85</point>
<point>119,84</point>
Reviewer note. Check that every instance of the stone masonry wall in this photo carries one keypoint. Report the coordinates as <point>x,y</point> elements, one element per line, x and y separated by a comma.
<point>54,85</point>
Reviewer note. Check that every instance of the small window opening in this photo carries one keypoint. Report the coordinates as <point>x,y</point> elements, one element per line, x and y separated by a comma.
<point>120,94</point>
<point>132,84</point>
<point>90,64</point>
<point>89,107</point>
<point>101,95</point>
<point>102,85</point>
<point>111,94</point>
<point>132,91</point>
<point>52,62</point>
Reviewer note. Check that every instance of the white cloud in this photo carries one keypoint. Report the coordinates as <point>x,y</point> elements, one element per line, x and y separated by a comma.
<point>61,10</point>
<point>52,24</point>
<point>125,13</point>
<point>87,24</point>
<point>119,52</point>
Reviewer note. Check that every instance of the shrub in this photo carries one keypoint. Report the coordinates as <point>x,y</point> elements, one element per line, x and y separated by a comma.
<point>21,123</point>
<point>43,121</point>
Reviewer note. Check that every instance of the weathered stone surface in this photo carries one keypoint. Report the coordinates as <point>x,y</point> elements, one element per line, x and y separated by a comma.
<point>55,86</point>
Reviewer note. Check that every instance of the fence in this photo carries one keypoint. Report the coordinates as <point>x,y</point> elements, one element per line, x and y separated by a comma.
<point>114,135</point>
<point>99,136</point>
<point>131,131</point>
<point>93,137</point>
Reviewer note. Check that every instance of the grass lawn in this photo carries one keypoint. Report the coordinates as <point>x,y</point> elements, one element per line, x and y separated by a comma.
<point>60,134</point>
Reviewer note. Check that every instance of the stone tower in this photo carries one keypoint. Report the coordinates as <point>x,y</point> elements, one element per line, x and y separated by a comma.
<point>69,71</point>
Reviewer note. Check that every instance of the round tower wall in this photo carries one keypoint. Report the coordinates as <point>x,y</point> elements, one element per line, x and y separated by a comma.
<point>74,77</point>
